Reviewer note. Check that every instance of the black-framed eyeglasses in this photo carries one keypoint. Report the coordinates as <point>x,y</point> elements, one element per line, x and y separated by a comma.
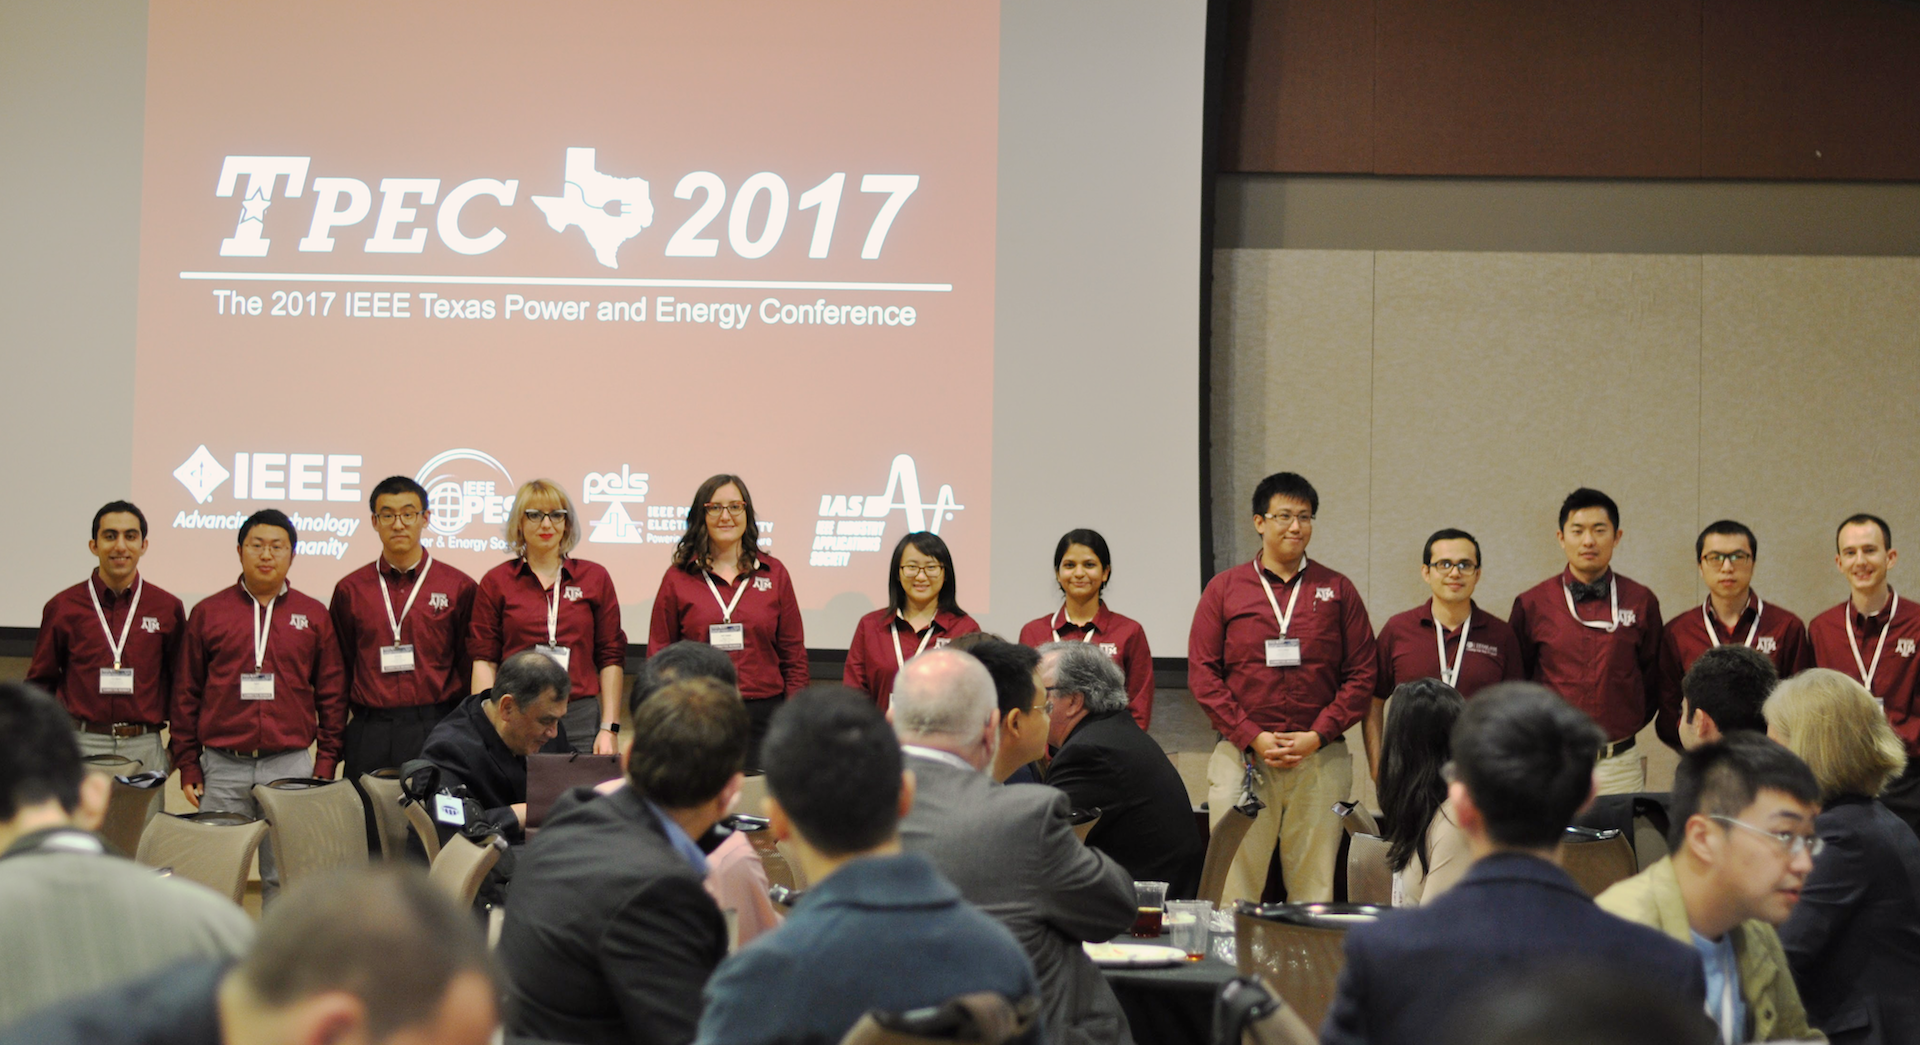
<point>1724,558</point>
<point>931,569</point>
<point>730,507</point>
<point>534,515</point>
<point>1455,566</point>
<point>407,515</point>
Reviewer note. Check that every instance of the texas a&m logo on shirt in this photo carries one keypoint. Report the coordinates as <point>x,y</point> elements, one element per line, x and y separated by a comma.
<point>298,621</point>
<point>1323,594</point>
<point>437,601</point>
<point>1626,618</point>
<point>1111,649</point>
<point>763,584</point>
<point>574,594</point>
<point>150,625</point>
<point>1767,645</point>
<point>1904,647</point>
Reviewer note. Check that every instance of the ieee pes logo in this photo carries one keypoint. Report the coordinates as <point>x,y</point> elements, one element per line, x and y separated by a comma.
<point>464,485</point>
<point>858,522</point>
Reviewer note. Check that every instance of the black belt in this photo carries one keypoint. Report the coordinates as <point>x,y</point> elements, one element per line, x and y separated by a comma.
<point>256,753</point>
<point>117,730</point>
<point>416,713</point>
<point>1617,747</point>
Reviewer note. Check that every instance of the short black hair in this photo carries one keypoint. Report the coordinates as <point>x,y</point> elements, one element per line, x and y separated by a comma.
<point>112,507</point>
<point>1527,759</point>
<point>1587,497</point>
<point>1426,553</point>
<point>833,763</point>
<point>1859,518</point>
<point>396,484</point>
<point>1731,683</point>
<point>1011,666</point>
<point>1576,1000</point>
<point>39,758</point>
<point>1723,778</point>
<point>1291,485</point>
<point>270,517</point>
<point>530,675</point>
<point>1725,528</point>
<point>926,543</point>
<point>1091,540</point>
<point>689,739</point>
<point>686,659</point>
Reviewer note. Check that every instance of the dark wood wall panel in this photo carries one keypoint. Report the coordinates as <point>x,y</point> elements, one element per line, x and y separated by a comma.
<point>1300,87</point>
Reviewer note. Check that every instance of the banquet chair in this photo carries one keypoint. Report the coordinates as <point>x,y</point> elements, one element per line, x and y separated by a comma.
<point>213,849</point>
<point>1298,953</point>
<point>1222,845</point>
<point>383,794</point>
<point>463,864</point>
<point>1368,878</point>
<point>130,806</point>
<point>314,825</point>
<point>1596,859</point>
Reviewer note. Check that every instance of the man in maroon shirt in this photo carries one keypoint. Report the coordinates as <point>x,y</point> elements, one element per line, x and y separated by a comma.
<point>1281,657</point>
<point>1732,613</point>
<point>1873,637</point>
<point>107,647</point>
<point>1448,637</point>
<point>402,625</point>
<point>1593,637</point>
<point>259,681</point>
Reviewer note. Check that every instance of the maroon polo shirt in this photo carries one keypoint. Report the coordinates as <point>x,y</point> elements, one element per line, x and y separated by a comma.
<point>510,615</point>
<point>870,656</point>
<point>1407,651</point>
<point>1330,690</point>
<point>309,687</point>
<point>71,649</point>
<point>1898,675</point>
<point>436,628</point>
<point>1780,636</point>
<point>1118,637</point>
<point>774,660</point>
<point>1612,676</point>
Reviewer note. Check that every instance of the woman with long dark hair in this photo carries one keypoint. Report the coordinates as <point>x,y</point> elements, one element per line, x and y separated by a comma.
<point>1426,850</point>
<point>922,612</point>
<point>1082,566</point>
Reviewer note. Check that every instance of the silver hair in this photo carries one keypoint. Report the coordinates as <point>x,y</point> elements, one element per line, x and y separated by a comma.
<point>1080,667</point>
<point>943,693</point>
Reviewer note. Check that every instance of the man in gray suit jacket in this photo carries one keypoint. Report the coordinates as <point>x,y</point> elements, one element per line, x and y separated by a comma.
<point>1010,850</point>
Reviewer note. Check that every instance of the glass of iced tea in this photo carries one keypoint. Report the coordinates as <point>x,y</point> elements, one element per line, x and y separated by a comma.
<point>1151,898</point>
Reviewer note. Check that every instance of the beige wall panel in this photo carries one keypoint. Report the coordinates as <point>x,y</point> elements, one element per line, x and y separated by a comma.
<point>1810,411</point>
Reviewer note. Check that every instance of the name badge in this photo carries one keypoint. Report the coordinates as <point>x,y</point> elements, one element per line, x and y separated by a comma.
<point>116,680</point>
<point>447,810</point>
<point>1283,653</point>
<point>562,655</point>
<point>727,636</point>
<point>396,658</point>
<point>256,687</point>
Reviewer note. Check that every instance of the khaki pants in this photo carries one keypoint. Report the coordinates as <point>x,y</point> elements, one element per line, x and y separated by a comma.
<point>1299,817</point>
<point>1623,774</point>
<point>146,750</point>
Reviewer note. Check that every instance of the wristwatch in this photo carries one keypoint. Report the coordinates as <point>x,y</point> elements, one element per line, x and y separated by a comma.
<point>612,727</point>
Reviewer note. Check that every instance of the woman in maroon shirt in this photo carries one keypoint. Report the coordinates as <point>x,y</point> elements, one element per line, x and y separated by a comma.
<point>923,612</point>
<point>565,607</point>
<point>1082,567</point>
<point>722,590</point>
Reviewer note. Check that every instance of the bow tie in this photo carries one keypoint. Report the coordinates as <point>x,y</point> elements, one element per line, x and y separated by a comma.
<point>1585,592</point>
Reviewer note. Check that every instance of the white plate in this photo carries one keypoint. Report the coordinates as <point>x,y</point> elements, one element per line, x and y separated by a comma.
<point>1133,955</point>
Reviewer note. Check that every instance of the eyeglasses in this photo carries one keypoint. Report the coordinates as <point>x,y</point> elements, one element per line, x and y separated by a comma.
<point>534,515</point>
<point>274,548</point>
<point>1289,518</point>
<point>1795,844</point>
<point>1725,558</point>
<point>730,508</point>
<point>1450,566</point>
<point>932,569</point>
<point>408,516</point>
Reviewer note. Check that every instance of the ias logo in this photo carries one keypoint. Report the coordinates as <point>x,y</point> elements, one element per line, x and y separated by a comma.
<point>463,485</point>
<point>858,522</point>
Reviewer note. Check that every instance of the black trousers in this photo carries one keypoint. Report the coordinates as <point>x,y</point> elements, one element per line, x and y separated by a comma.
<point>759,716</point>
<point>385,738</point>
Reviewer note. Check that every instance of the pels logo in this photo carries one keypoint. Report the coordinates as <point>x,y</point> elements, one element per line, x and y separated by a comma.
<point>616,490</point>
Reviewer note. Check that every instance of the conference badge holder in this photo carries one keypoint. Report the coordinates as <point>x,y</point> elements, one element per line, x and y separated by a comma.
<point>561,655</point>
<point>1283,653</point>
<point>116,680</point>
<point>729,637</point>
<point>396,658</point>
<point>256,686</point>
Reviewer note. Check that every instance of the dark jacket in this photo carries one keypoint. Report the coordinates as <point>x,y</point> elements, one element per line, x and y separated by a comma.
<point>175,1007</point>
<point>1146,819</point>
<point>611,934</point>
<point>882,932</point>
<point>1512,913</point>
<point>466,745</point>
<point>1854,940</point>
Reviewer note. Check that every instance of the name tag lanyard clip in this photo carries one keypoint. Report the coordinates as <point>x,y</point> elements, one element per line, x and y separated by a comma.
<point>1613,593</point>
<point>1451,676</point>
<point>1086,635</point>
<point>1867,671</point>
<point>1760,607</point>
<point>1284,619</point>
<point>421,582</point>
<point>126,627</point>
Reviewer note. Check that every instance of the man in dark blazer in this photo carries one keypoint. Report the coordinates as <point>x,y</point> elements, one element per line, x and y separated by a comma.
<point>1524,764</point>
<point>610,934</point>
<point>1105,761</point>
<point>1011,851</point>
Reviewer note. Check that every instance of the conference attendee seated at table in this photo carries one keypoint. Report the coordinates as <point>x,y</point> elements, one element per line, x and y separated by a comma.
<point>1426,850</point>
<point>610,934</point>
<point>1523,766</point>
<point>1854,940</point>
<point>484,744</point>
<point>878,928</point>
<point>1743,843</point>
<point>367,955</point>
<point>1023,706</point>
<point>1724,693</point>
<point>1105,761</point>
<point>74,917</point>
<point>1010,850</point>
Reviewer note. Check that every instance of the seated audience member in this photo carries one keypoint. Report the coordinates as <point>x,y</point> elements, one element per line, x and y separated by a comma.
<point>1578,1007</point>
<point>1009,850</point>
<point>1107,762</point>
<point>610,934</point>
<point>1723,693</point>
<point>73,917</point>
<point>1022,699</point>
<point>1524,764</point>
<point>1426,850</point>
<point>370,955</point>
<point>877,928</point>
<point>1743,843</point>
<point>485,742</point>
<point>1854,940</point>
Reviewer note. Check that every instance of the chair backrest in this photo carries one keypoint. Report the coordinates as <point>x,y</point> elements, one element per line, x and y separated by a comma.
<point>1223,843</point>
<point>1368,879</point>
<point>421,824</point>
<point>463,864</point>
<point>1358,819</point>
<point>383,794</point>
<point>1599,862</point>
<point>315,825</point>
<point>1301,963</point>
<point>1085,827</point>
<point>977,1019</point>
<point>779,870</point>
<point>214,849</point>
<point>128,810</point>
<point>753,794</point>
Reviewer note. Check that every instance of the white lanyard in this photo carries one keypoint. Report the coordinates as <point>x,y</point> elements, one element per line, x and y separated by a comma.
<point>1760,606</point>
<point>726,608</point>
<point>1299,582</point>
<point>1451,676</point>
<point>260,637</point>
<point>126,628</point>
<point>421,582</point>
<point>1613,622</point>
<point>1867,671</point>
<point>899,659</point>
<point>1085,635</point>
<point>553,606</point>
